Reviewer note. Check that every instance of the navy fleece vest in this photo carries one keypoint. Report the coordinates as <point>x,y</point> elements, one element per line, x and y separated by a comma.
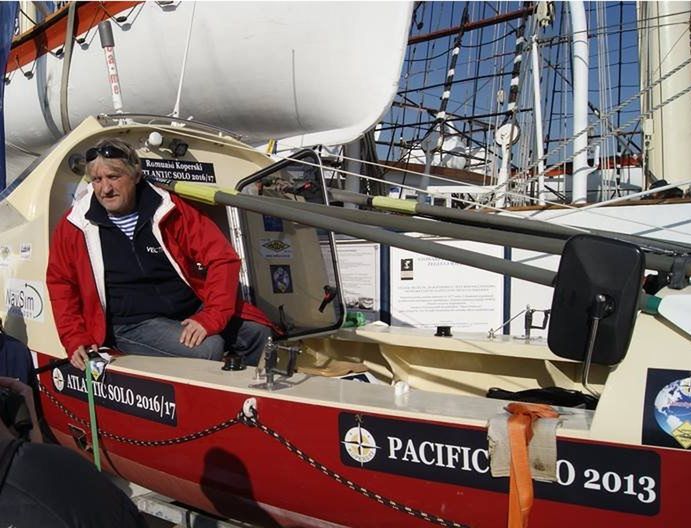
<point>140,281</point>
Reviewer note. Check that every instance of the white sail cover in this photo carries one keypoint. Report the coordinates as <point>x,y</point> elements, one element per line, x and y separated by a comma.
<point>322,71</point>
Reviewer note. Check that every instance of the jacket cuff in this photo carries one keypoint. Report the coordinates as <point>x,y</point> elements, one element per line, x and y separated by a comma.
<point>210,323</point>
<point>75,342</point>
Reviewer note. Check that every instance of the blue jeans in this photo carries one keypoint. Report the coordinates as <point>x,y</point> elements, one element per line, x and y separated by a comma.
<point>160,336</point>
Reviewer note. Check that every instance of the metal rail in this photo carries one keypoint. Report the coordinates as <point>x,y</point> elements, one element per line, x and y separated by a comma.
<point>231,198</point>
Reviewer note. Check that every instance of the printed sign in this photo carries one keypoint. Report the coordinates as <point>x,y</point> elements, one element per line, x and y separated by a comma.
<point>281,279</point>
<point>151,400</point>
<point>25,299</point>
<point>276,248</point>
<point>178,170</point>
<point>602,476</point>
<point>667,411</point>
<point>427,292</point>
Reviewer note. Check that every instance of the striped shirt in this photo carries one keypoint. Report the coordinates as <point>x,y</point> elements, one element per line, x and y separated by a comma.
<point>126,223</point>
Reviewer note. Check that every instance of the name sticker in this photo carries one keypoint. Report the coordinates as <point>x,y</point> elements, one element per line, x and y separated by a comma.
<point>147,399</point>
<point>601,476</point>
<point>178,170</point>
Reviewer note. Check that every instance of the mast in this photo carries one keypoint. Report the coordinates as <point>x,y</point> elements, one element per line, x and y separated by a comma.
<point>664,44</point>
<point>539,138</point>
<point>580,101</point>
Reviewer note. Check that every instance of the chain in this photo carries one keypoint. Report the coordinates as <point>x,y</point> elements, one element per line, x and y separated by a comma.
<point>385,501</point>
<point>133,441</point>
<point>252,421</point>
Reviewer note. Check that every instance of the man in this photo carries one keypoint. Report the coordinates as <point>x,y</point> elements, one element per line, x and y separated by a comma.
<point>140,269</point>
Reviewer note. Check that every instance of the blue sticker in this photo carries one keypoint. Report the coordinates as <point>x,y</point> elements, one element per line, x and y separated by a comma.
<point>272,224</point>
<point>280,279</point>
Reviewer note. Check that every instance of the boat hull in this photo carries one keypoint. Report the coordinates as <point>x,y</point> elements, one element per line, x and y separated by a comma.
<point>303,462</point>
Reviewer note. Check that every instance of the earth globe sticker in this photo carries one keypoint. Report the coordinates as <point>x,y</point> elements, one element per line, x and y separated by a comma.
<point>673,410</point>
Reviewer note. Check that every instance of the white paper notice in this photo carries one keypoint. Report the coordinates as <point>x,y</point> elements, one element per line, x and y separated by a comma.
<point>359,266</point>
<point>427,292</point>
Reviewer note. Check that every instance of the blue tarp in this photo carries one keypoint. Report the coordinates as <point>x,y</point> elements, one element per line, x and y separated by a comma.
<point>8,15</point>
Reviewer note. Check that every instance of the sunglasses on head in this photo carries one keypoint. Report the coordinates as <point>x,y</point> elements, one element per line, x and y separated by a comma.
<point>105,151</point>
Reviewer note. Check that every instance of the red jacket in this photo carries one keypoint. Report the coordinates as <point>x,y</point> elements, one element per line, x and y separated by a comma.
<point>76,277</point>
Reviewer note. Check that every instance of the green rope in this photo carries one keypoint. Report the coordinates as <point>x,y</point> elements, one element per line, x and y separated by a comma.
<point>92,415</point>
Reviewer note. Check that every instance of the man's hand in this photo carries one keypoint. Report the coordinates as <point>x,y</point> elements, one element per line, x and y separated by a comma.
<point>80,357</point>
<point>192,334</point>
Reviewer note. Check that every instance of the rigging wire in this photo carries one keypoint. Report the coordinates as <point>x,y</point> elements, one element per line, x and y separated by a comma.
<point>628,101</point>
<point>605,103</point>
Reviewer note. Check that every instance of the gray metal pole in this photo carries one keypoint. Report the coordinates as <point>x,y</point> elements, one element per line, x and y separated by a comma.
<point>460,256</point>
<point>537,228</point>
<point>434,227</point>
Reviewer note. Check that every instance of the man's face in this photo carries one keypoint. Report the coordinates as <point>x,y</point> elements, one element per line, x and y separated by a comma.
<point>114,186</point>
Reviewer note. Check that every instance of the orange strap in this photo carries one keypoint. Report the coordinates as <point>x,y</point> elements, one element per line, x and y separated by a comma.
<point>520,479</point>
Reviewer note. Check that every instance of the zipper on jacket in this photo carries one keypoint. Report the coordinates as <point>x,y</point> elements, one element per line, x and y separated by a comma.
<point>161,297</point>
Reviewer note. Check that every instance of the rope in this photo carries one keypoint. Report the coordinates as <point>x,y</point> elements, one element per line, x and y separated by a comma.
<point>176,108</point>
<point>589,129</point>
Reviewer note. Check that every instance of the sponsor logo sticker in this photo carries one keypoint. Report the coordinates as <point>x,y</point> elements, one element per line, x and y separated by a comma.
<point>25,250</point>
<point>98,368</point>
<point>275,248</point>
<point>272,224</point>
<point>25,299</point>
<point>667,411</point>
<point>5,253</point>
<point>407,269</point>
<point>281,279</point>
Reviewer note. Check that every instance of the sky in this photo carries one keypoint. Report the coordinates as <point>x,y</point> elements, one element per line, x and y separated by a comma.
<point>486,60</point>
